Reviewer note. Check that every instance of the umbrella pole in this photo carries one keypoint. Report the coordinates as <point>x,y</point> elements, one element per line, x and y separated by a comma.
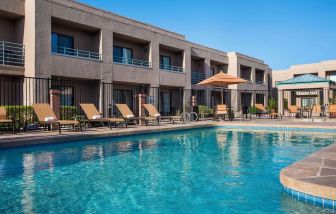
<point>222,96</point>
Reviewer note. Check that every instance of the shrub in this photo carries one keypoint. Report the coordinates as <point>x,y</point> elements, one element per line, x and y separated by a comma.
<point>272,104</point>
<point>252,110</point>
<point>69,112</point>
<point>21,115</point>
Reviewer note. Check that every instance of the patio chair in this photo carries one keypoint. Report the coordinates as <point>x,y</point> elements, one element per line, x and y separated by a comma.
<point>92,114</point>
<point>316,111</point>
<point>293,110</point>
<point>332,110</point>
<point>221,110</point>
<point>153,112</point>
<point>4,120</point>
<point>271,113</point>
<point>261,110</point>
<point>47,117</point>
<point>128,115</point>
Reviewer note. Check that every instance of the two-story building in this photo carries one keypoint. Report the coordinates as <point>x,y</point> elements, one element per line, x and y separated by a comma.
<point>96,56</point>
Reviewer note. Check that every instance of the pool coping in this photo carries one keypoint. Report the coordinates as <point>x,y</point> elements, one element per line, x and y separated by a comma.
<point>313,179</point>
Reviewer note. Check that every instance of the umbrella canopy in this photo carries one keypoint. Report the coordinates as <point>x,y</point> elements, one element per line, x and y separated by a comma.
<point>222,79</point>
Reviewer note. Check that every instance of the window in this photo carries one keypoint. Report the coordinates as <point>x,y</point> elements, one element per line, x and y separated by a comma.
<point>67,98</point>
<point>260,99</point>
<point>165,60</point>
<point>212,70</point>
<point>59,42</point>
<point>121,52</point>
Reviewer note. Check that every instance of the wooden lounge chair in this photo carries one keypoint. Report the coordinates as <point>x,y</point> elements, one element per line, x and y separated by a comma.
<point>93,115</point>
<point>293,110</point>
<point>332,110</point>
<point>316,111</point>
<point>128,115</point>
<point>153,112</point>
<point>221,110</point>
<point>262,110</point>
<point>46,116</point>
<point>4,120</point>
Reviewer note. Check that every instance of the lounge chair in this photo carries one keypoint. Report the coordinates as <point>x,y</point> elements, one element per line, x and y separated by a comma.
<point>262,110</point>
<point>153,112</point>
<point>46,116</point>
<point>4,120</point>
<point>316,111</point>
<point>128,115</point>
<point>221,110</point>
<point>93,115</point>
<point>293,110</point>
<point>332,110</point>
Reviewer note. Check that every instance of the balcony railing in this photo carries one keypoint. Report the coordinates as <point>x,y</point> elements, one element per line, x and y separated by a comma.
<point>77,53</point>
<point>260,82</point>
<point>197,77</point>
<point>132,62</point>
<point>172,68</point>
<point>11,54</point>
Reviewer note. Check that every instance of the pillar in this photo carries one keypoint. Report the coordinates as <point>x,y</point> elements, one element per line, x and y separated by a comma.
<point>207,72</point>
<point>280,102</point>
<point>55,102</point>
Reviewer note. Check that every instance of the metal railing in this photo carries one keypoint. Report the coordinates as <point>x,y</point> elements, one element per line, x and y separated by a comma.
<point>11,54</point>
<point>172,68</point>
<point>260,82</point>
<point>133,62</point>
<point>197,77</point>
<point>77,53</point>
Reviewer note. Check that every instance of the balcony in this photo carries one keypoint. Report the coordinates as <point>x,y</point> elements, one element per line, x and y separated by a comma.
<point>63,51</point>
<point>197,77</point>
<point>260,82</point>
<point>172,68</point>
<point>11,54</point>
<point>132,62</point>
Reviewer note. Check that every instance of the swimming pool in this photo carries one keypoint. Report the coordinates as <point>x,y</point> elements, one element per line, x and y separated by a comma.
<point>210,170</point>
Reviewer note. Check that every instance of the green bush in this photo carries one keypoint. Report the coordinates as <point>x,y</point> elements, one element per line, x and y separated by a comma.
<point>252,110</point>
<point>69,112</point>
<point>272,104</point>
<point>202,109</point>
<point>21,115</point>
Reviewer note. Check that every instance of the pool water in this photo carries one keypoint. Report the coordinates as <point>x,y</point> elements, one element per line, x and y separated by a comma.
<point>210,170</point>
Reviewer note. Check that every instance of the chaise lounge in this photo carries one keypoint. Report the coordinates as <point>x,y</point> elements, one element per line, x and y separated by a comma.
<point>221,110</point>
<point>4,120</point>
<point>92,114</point>
<point>153,112</point>
<point>47,117</point>
<point>128,115</point>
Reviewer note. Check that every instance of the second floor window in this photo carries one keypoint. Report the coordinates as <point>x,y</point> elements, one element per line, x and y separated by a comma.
<point>121,52</point>
<point>212,71</point>
<point>165,60</point>
<point>59,43</point>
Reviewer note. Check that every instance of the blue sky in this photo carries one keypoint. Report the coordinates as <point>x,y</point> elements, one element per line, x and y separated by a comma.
<point>281,32</point>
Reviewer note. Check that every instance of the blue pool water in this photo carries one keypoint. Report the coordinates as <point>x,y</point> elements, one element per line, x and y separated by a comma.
<point>211,170</point>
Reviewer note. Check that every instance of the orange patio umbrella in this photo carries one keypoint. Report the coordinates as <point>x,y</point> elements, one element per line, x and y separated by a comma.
<point>221,80</point>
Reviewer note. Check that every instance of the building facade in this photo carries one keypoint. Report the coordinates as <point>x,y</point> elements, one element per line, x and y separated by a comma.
<point>306,85</point>
<point>96,56</point>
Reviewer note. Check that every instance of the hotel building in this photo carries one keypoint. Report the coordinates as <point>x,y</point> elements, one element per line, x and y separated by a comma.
<point>96,56</point>
<point>306,84</point>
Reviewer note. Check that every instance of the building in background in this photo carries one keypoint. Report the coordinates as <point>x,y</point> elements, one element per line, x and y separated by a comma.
<point>96,56</point>
<point>306,85</point>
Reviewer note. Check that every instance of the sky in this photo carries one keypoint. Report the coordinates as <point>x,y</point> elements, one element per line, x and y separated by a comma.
<point>280,32</point>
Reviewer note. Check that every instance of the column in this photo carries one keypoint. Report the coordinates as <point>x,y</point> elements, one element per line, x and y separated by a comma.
<point>280,101</point>
<point>207,72</point>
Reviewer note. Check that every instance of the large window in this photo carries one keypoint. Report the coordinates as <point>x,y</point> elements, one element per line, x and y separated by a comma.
<point>260,99</point>
<point>67,97</point>
<point>121,52</point>
<point>165,60</point>
<point>60,42</point>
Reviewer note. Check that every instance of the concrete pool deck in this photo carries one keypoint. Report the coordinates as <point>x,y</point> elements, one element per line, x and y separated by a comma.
<point>313,176</point>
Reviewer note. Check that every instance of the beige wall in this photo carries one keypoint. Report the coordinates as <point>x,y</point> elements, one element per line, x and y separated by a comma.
<point>320,68</point>
<point>94,30</point>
